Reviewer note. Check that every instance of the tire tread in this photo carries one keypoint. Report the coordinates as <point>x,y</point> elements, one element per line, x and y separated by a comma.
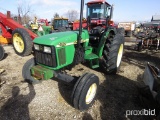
<point>26,39</point>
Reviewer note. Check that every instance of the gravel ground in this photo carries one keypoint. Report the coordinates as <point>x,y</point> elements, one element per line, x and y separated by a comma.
<point>50,100</point>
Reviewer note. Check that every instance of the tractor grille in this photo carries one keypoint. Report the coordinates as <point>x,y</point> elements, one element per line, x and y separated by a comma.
<point>46,58</point>
<point>62,56</point>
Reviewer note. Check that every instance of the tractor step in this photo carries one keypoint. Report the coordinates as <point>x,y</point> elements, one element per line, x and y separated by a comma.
<point>91,56</point>
<point>94,66</point>
<point>88,50</point>
<point>93,59</point>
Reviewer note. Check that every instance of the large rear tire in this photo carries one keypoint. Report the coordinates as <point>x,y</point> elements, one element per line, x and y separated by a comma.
<point>112,54</point>
<point>22,42</point>
<point>121,31</point>
<point>84,91</point>
<point>1,53</point>
<point>26,73</point>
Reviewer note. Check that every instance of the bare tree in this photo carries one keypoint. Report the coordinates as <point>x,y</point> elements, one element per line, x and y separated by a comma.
<point>72,15</point>
<point>56,15</point>
<point>23,11</point>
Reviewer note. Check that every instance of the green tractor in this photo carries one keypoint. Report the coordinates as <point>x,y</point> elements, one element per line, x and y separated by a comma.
<point>101,46</point>
<point>61,24</point>
<point>40,27</point>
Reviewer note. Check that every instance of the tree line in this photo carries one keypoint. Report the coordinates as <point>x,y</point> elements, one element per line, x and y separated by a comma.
<point>26,14</point>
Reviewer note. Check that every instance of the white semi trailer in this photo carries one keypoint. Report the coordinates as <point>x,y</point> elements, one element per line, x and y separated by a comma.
<point>129,27</point>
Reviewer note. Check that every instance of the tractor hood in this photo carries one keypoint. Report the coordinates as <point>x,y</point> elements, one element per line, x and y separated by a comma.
<point>59,39</point>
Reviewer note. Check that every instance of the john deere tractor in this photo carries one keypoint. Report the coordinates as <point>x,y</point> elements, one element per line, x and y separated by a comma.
<point>100,46</point>
<point>61,24</point>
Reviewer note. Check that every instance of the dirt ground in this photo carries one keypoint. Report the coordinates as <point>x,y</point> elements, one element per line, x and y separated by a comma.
<point>50,100</point>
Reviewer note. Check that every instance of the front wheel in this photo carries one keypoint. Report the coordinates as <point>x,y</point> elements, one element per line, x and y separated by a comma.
<point>84,91</point>
<point>112,54</point>
<point>26,72</point>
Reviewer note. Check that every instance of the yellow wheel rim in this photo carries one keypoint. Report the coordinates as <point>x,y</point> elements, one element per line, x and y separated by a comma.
<point>120,53</point>
<point>91,93</point>
<point>18,42</point>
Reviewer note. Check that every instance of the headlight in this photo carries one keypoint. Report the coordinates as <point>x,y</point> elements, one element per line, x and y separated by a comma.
<point>47,49</point>
<point>36,47</point>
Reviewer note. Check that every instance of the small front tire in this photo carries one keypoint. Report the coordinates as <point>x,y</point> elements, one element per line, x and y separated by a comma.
<point>84,91</point>
<point>26,73</point>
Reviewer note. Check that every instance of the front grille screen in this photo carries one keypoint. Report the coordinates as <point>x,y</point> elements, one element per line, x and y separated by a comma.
<point>46,58</point>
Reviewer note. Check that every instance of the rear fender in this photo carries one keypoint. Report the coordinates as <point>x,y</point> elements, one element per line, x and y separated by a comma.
<point>104,37</point>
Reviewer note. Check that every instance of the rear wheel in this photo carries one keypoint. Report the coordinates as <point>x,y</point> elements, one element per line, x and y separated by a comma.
<point>26,73</point>
<point>84,91</point>
<point>22,42</point>
<point>112,54</point>
<point>1,52</point>
<point>121,31</point>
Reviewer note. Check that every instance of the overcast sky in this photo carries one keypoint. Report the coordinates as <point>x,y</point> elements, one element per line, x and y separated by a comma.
<point>124,10</point>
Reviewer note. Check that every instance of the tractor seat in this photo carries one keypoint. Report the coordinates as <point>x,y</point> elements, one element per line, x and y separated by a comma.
<point>93,38</point>
<point>97,31</point>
